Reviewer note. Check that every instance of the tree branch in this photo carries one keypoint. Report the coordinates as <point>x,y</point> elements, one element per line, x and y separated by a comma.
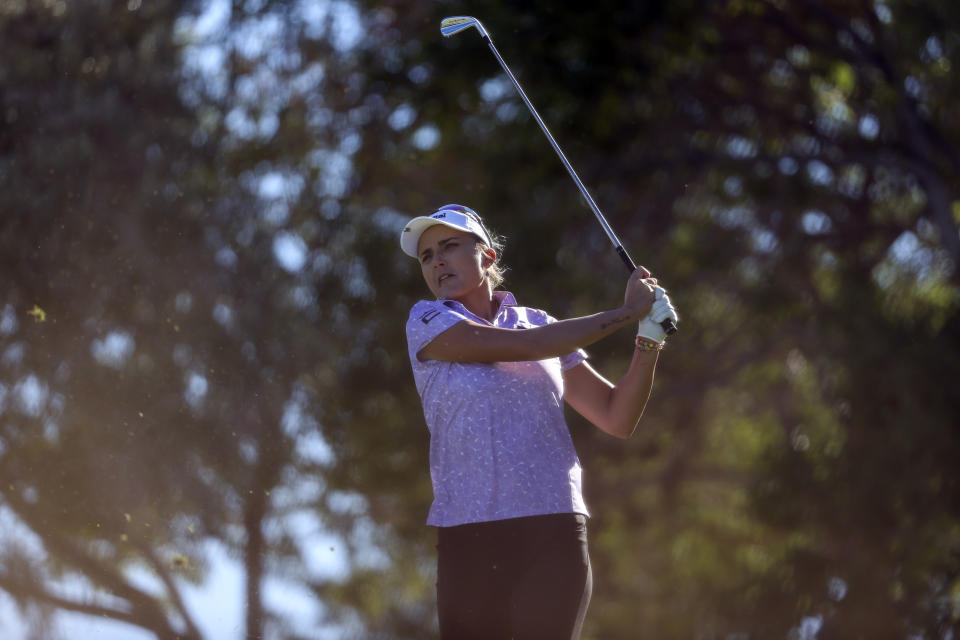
<point>161,571</point>
<point>146,612</point>
<point>33,592</point>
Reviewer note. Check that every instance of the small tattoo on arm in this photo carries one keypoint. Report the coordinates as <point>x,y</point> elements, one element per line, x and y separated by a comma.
<point>614,321</point>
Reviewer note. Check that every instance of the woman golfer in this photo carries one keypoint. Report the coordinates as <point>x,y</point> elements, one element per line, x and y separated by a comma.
<point>492,376</point>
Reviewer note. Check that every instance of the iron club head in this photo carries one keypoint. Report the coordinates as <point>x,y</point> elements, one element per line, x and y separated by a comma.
<point>455,24</point>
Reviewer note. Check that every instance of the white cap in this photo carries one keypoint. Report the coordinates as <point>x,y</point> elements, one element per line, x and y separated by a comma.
<point>455,216</point>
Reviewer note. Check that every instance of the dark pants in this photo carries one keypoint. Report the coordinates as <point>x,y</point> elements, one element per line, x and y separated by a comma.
<point>520,579</point>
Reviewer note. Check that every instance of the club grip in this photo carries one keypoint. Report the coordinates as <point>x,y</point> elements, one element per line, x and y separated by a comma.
<point>667,325</point>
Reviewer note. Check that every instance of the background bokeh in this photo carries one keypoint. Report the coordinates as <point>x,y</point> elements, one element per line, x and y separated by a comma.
<point>203,370</point>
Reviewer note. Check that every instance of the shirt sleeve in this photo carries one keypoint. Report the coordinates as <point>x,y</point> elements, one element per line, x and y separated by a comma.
<point>427,320</point>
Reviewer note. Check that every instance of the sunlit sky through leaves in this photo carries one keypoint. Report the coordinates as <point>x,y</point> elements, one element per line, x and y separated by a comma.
<point>207,39</point>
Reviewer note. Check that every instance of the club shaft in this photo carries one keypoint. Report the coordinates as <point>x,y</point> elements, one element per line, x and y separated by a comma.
<point>563,159</point>
<point>668,325</point>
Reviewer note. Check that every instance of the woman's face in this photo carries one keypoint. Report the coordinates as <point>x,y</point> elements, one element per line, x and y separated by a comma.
<point>451,265</point>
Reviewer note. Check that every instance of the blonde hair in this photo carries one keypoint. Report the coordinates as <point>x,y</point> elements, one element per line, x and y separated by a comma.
<point>495,272</point>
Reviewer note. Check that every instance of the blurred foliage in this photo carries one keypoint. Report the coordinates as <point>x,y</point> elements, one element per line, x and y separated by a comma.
<point>201,328</point>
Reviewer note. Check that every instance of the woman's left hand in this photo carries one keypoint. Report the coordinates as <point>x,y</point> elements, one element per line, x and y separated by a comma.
<point>662,309</point>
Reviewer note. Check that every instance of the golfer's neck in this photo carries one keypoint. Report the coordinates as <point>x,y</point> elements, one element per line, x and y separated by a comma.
<point>480,302</point>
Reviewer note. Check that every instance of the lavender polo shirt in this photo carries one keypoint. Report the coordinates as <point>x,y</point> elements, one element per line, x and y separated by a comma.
<point>499,445</point>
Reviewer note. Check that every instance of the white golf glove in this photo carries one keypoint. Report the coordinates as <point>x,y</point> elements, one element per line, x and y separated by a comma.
<point>661,310</point>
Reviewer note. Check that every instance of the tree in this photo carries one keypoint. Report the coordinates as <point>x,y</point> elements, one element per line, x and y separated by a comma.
<point>154,405</point>
<point>804,154</point>
<point>206,200</point>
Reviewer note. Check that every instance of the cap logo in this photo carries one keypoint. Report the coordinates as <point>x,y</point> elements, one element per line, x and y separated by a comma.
<point>441,214</point>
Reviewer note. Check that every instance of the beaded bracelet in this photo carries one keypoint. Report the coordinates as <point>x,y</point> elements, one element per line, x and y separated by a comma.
<point>649,345</point>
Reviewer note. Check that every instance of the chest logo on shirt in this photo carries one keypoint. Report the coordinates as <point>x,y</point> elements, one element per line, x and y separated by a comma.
<point>428,316</point>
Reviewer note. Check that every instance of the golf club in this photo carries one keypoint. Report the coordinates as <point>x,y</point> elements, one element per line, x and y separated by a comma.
<point>454,25</point>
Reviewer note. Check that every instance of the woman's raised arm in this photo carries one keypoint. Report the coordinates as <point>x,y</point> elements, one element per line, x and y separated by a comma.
<point>614,409</point>
<point>469,341</point>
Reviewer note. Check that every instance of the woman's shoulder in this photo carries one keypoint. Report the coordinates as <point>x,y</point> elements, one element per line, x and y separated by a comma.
<point>426,310</point>
<point>425,304</point>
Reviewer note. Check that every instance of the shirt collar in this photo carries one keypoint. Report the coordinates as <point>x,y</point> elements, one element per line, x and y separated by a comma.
<point>504,299</point>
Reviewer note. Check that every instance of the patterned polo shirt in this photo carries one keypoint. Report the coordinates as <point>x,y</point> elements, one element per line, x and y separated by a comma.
<point>499,445</point>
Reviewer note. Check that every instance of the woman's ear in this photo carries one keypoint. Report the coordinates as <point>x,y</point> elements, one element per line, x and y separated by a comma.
<point>489,257</point>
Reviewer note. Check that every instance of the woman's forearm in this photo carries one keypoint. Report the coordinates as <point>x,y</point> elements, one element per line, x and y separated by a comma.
<point>472,342</point>
<point>613,408</point>
<point>628,398</point>
<point>565,336</point>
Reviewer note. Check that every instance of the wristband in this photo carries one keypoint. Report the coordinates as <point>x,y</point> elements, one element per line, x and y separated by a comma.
<point>645,344</point>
